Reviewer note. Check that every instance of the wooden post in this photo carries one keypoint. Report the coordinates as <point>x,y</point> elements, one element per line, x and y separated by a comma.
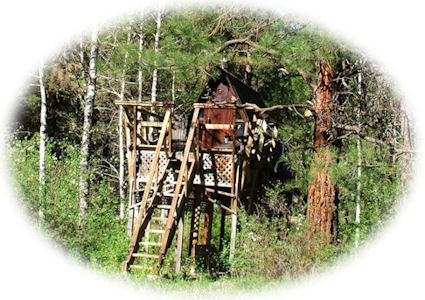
<point>194,231</point>
<point>210,222</point>
<point>234,201</point>
<point>134,239</point>
<point>222,226</point>
<point>180,232</point>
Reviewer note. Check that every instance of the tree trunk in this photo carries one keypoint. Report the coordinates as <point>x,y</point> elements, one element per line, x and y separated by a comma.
<point>121,135</point>
<point>321,210</point>
<point>83,187</point>
<point>248,66</point>
<point>359,164</point>
<point>140,83</point>
<point>155,71</point>
<point>407,147</point>
<point>43,117</point>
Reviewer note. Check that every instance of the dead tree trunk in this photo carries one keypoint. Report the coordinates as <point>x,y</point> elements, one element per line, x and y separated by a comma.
<point>321,208</point>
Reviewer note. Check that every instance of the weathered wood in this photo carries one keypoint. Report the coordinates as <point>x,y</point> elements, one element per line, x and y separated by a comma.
<point>234,204</point>
<point>150,124</point>
<point>180,178</point>
<point>145,147</point>
<point>219,126</point>
<point>219,192</point>
<point>224,207</point>
<point>214,105</point>
<point>179,247</point>
<point>136,232</point>
<point>144,103</point>
<point>222,227</point>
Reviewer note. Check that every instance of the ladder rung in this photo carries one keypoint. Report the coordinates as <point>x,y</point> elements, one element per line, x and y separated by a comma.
<point>159,219</point>
<point>155,230</point>
<point>219,126</point>
<point>139,267</point>
<point>145,255</point>
<point>150,244</point>
<point>163,206</point>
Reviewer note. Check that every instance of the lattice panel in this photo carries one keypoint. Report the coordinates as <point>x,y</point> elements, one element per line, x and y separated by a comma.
<point>146,159</point>
<point>216,167</point>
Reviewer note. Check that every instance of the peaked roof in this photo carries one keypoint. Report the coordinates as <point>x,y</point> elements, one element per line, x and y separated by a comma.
<point>244,93</point>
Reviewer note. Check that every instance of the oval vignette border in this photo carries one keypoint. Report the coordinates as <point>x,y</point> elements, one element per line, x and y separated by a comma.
<point>389,267</point>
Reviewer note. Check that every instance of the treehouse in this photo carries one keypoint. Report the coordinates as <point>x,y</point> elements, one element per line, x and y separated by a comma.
<point>216,171</point>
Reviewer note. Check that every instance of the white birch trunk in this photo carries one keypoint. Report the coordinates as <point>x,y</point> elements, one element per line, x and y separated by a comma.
<point>121,135</point>
<point>140,71</point>
<point>43,117</point>
<point>155,71</point>
<point>83,71</point>
<point>83,187</point>
<point>359,165</point>
<point>140,82</point>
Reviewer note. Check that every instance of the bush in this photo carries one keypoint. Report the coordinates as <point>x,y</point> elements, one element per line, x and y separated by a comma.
<point>104,241</point>
<point>267,248</point>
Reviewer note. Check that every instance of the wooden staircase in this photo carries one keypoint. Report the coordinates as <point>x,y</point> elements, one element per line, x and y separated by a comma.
<point>163,200</point>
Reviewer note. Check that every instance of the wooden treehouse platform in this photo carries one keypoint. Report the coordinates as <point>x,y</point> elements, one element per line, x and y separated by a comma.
<point>224,144</point>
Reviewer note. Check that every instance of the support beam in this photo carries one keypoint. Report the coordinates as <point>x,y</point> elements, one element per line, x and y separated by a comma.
<point>179,248</point>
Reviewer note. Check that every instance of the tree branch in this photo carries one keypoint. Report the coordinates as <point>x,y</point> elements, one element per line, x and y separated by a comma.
<point>362,135</point>
<point>262,111</point>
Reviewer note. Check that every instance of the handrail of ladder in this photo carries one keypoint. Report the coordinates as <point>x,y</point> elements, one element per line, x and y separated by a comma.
<point>177,190</point>
<point>150,179</point>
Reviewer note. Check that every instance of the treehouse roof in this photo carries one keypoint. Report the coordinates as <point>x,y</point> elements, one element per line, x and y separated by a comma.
<point>244,93</point>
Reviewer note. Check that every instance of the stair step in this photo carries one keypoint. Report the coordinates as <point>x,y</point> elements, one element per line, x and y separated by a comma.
<point>159,219</point>
<point>139,267</point>
<point>150,244</point>
<point>145,255</point>
<point>163,206</point>
<point>155,230</point>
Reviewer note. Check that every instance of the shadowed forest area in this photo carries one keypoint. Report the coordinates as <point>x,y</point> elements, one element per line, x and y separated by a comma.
<point>342,161</point>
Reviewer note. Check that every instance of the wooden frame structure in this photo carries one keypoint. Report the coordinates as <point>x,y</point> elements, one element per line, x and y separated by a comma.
<point>164,183</point>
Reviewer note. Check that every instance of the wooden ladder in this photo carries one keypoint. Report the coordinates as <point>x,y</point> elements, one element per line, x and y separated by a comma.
<point>153,232</point>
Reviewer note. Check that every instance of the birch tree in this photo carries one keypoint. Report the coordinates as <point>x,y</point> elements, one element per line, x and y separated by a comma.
<point>140,81</point>
<point>359,163</point>
<point>121,134</point>
<point>43,117</point>
<point>155,71</point>
<point>83,187</point>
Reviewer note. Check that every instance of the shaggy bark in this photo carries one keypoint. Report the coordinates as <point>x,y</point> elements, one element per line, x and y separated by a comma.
<point>321,208</point>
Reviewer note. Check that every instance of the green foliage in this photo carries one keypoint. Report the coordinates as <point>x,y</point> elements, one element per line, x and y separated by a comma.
<point>267,248</point>
<point>104,242</point>
<point>276,241</point>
